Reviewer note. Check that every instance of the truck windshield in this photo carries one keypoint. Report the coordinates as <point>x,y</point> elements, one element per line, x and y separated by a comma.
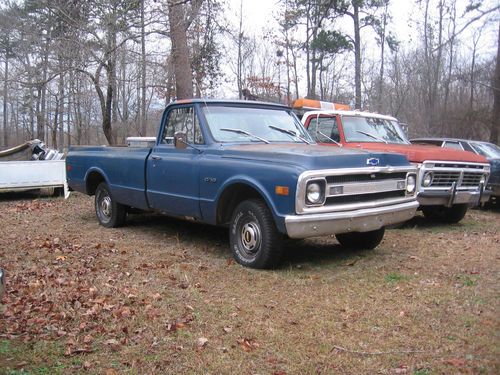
<point>372,129</point>
<point>259,122</point>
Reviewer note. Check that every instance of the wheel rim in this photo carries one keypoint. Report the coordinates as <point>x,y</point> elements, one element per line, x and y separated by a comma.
<point>105,207</point>
<point>251,239</point>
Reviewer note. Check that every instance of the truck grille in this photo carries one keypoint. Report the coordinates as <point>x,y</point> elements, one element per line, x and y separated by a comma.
<point>357,188</point>
<point>445,178</point>
<point>364,177</point>
<point>365,197</point>
<point>463,175</point>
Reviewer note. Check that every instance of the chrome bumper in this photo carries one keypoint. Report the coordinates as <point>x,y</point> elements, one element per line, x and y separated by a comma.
<point>453,196</point>
<point>362,220</point>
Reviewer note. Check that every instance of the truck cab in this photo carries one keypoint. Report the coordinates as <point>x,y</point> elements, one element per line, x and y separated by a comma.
<point>449,181</point>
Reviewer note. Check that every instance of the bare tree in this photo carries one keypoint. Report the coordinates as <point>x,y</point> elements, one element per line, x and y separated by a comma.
<point>495,122</point>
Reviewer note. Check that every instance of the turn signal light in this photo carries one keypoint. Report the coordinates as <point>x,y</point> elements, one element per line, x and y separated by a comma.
<point>281,190</point>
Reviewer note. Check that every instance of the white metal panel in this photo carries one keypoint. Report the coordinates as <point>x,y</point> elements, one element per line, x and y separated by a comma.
<point>24,175</point>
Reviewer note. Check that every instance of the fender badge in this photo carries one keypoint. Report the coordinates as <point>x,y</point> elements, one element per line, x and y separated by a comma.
<point>372,161</point>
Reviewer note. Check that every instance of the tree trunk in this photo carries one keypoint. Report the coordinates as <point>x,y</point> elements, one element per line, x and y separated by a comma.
<point>180,52</point>
<point>143,110</point>
<point>382,61</point>
<point>357,56</point>
<point>5,101</point>
<point>495,123</point>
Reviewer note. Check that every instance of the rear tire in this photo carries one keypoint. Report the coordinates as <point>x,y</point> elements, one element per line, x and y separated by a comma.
<point>110,213</point>
<point>361,240</point>
<point>255,241</point>
<point>450,215</point>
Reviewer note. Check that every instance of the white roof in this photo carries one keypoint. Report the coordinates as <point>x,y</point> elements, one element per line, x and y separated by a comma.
<point>340,112</point>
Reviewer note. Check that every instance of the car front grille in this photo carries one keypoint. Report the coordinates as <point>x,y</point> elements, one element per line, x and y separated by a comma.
<point>465,179</point>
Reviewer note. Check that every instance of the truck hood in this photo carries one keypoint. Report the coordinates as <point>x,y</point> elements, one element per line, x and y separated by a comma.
<point>420,153</point>
<point>312,156</point>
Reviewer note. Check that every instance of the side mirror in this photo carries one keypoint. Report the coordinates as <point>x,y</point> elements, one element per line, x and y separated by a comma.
<point>180,141</point>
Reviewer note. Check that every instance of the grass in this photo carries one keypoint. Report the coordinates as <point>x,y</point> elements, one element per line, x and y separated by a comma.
<point>138,299</point>
<point>394,277</point>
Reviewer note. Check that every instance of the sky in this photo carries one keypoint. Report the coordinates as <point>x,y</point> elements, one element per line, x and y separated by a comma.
<point>258,14</point>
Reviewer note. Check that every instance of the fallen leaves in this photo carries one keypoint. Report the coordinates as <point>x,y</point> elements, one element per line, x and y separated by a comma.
<point>201,342</point>
<point>247,344</point>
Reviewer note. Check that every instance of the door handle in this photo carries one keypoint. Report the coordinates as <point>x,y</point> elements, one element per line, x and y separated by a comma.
<point>155,157</point>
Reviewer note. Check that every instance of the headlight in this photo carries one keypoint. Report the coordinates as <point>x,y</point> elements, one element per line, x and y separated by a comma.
<point>411,183</point>
<point>315,192</point>
<point>427,180</point>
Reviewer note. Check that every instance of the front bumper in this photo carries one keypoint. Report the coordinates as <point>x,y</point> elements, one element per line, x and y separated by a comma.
<point>362,220</point>
<point>452,196</point>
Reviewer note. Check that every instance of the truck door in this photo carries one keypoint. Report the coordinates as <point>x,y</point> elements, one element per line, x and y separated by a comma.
<point>172,175</point>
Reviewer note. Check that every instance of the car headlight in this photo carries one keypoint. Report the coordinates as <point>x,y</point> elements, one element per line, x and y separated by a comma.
<point>411,183</point>
<point>315,192</point>
<point>427,180</point>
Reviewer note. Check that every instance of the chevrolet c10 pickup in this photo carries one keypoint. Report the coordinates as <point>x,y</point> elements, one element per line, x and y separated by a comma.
<point>251,167</point>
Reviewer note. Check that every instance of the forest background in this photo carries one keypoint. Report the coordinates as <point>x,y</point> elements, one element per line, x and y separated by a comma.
<point>97,71</point>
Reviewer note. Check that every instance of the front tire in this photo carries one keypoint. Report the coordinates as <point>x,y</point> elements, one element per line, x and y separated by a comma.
<point>450,215</point>
<point>361,240</point>
<point>110,213</point>
<point>255,241</point>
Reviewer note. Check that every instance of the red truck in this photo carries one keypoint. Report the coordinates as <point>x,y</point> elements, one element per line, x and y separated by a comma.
<point>449,181</point>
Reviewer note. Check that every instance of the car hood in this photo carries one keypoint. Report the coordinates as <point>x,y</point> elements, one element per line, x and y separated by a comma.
<point>313,156</point>
<point>420,153</point>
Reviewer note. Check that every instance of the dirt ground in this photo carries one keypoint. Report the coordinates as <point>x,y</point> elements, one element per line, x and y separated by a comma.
<point>161,296</point>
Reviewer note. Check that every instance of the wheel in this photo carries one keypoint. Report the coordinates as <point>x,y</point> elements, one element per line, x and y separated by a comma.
<point>444,214</point>
<point>110,213</point>
<point>255,241</point>
<point>361,240</point>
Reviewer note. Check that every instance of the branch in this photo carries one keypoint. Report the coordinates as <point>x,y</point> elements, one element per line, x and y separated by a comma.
<point>377,353</point>
<point>472,20</point>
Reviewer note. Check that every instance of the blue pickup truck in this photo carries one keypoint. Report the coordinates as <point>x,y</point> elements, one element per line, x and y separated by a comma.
<point>252,167</point>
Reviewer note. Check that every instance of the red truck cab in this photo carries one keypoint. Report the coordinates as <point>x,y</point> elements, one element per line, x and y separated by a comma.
<point>449,181</point>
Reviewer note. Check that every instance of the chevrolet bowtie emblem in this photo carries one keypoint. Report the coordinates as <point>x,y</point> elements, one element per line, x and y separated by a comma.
<point>372,161</point>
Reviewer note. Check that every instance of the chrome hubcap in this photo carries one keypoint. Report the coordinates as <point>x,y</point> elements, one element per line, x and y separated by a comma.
<point>250,237</point>
<point>106,206</point>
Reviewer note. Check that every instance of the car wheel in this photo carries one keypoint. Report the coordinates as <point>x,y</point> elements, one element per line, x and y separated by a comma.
<point>110,213</point>
<point>444,214</point>
<point>255,241</point>
<point>361,240</point>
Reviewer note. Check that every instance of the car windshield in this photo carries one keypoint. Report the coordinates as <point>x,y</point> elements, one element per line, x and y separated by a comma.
<point>487,150</point>
<point>372,129</point>
<point>240,124</point>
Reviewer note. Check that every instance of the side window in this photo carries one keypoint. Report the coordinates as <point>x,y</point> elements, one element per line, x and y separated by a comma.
<point>182,120</point>
<point>467,147</point>
<point>311,129</point>
<point>327,128</point>
<point>455,145</point>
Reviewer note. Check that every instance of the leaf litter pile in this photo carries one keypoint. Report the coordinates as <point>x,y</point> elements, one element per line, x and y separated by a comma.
<point>165,296</point>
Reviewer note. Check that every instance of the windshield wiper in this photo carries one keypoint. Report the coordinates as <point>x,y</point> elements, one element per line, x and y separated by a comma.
<point>239,131</point>
<point>330,139</point>
<point>394,133</point>
<point>290,133</point>
<point>372,136</point>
